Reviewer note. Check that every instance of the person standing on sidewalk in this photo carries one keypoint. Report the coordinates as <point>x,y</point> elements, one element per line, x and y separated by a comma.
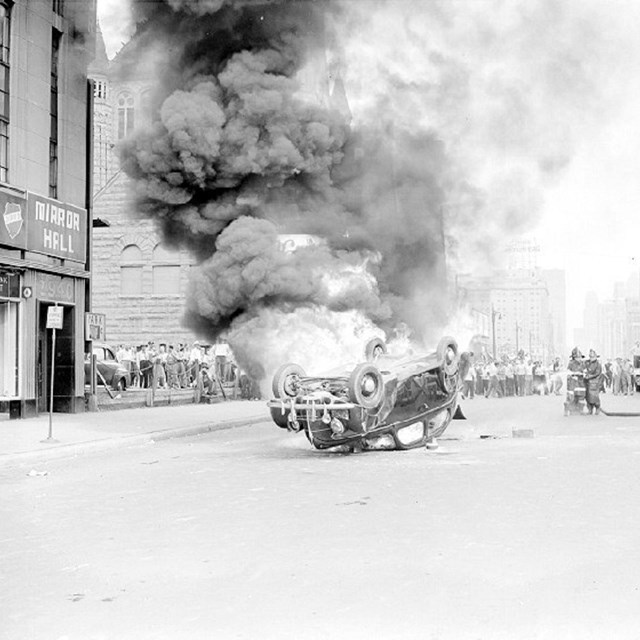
<point>627,374</point>
<point>528,378</point>
<point>492,374</point>
<point>510,378</point>
<point>520,371</point>
<point>502,379</point>
<point>159,371</point>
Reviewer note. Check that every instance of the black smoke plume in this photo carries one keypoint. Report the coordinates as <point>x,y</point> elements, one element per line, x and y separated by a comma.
<point>253,138</point>
<point>240,152</point>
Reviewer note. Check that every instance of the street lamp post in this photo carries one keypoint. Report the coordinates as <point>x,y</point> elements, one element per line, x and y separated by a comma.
<point>494,314</point>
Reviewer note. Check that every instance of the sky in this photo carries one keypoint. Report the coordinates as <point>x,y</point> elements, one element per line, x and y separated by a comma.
<point>588,221</point>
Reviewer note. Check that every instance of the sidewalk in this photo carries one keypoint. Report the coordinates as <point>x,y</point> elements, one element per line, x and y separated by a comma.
<point>21,441</point>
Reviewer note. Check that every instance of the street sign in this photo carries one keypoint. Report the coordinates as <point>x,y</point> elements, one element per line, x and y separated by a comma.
<point>54,317</point>
<point>95,326</point>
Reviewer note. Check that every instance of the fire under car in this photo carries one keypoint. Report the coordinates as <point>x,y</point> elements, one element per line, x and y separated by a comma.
<point>384,402</point>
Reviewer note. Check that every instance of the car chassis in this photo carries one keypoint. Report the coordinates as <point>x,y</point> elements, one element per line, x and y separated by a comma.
<point>390,403</point>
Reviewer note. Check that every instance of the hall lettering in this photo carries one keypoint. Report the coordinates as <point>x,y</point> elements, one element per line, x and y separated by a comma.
<point>57,241</point>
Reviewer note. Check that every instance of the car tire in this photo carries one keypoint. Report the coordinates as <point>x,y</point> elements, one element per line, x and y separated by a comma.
<point>374,348</point>
<point>366,386</point>
<point>281,419</point>
<point>283,385</point>
<point>120,385</point>
<point>448,355</point>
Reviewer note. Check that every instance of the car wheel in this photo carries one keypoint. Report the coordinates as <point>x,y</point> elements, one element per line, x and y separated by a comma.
<point>447,352</point>
<point>374,349</point>
<point>286,380</point>
<point>120,384</point>
<point>280,418</point>
<point>366,386</point>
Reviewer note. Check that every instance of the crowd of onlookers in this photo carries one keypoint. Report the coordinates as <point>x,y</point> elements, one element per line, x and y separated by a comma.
<point>178,366</point>
<point>523,376</point>
<point>519,376</point>
<point>619,376</point>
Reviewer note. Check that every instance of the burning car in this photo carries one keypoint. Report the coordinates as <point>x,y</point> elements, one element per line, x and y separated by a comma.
<point>385,402</point>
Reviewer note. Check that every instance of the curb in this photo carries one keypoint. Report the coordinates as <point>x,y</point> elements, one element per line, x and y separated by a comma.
<point>116,442</point>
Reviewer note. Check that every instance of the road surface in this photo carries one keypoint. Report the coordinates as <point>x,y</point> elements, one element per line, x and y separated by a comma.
<point>248,533</point>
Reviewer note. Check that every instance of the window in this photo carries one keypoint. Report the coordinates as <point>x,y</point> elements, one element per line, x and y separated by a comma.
<point>58,7</point>
<point>8,349</point>
<point>56,36</point>
<point>131,271</point>
<point>125,115</point>
<point>166,271</point>
<point>100,90</point>
<point>4,91</point>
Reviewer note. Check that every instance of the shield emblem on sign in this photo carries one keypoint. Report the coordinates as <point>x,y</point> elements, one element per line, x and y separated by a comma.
<point>13,218</point>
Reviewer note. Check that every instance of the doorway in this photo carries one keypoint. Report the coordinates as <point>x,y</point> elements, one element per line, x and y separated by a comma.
<point>64,372</point>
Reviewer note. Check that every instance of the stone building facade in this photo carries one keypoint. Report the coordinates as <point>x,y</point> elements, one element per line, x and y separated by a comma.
<point>137,282</point>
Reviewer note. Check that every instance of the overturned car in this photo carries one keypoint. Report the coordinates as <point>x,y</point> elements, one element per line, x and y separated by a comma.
<point>386,402</point>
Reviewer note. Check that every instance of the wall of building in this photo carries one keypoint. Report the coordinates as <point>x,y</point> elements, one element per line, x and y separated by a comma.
<point>49,272</point>
<point>131,318</point>
<point>518,306</point>
<point>32,24</point>
<point>134,318</point>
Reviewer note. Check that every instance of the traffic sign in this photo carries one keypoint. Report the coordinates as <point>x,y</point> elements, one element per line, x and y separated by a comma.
<point>54,317</point>
<point>95,326</point>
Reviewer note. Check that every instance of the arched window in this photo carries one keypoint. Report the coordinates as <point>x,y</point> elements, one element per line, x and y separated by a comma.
<point>166,271</point>
<point>131,271</point>
<point>125,115</point>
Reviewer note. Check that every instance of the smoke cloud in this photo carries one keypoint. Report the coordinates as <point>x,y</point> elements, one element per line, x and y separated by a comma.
<point>401,134</point>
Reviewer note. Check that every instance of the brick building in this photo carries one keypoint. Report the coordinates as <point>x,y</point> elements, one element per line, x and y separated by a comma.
<point>45,49</point>
<point>137,281</point>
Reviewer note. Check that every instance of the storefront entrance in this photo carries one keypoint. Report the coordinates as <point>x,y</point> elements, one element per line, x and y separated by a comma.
<point>64,376</point>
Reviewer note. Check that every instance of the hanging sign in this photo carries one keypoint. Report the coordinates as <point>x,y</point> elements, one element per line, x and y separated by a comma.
<point>56,228</point>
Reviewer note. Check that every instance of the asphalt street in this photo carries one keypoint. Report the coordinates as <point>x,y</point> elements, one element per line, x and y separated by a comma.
<point>250,533</point>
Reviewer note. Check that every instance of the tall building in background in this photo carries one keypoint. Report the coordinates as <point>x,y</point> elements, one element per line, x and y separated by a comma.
<point>45,49</point>
<point>555,280</point>
<point>526,305</point>
<point>523,255</point>
<point>612,327</point>
<point>518,308</point>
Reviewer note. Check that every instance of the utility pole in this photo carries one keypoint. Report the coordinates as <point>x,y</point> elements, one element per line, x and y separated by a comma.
<point>494,314</point>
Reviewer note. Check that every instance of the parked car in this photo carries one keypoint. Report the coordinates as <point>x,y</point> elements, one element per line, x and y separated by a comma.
<point>115,374</point>
<point>386,402</point>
